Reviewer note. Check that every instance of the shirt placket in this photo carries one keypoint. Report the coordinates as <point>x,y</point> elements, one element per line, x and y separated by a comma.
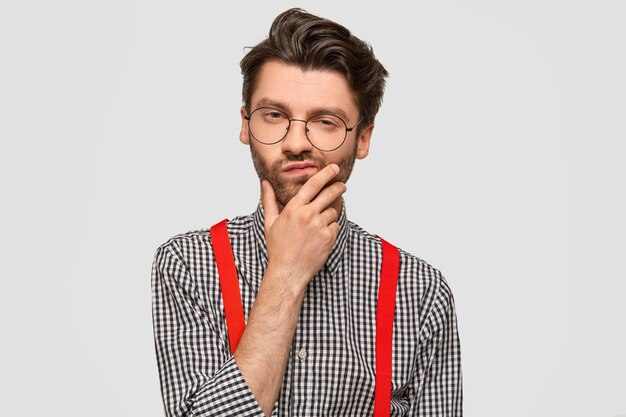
<point>302,355</point>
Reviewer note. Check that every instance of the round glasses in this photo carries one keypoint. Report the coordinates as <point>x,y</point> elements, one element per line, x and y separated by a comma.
<point>326,132</point>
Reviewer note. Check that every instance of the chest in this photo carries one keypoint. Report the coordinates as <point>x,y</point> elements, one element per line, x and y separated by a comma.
<point>332,362</point>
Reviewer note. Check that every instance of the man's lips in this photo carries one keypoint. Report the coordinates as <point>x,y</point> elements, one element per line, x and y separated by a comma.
<point>300,168</point>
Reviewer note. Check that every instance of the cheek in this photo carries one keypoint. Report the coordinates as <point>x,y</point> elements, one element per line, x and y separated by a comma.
<point>270,153</point>
<point>258,152</point>
<point>265,164</point>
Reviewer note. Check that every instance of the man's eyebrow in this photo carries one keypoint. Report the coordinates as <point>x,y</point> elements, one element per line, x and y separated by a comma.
<point>273,103</point>
<point>311,112</point>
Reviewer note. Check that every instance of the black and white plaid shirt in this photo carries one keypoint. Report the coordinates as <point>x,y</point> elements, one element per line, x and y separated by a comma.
<point>331,366</point>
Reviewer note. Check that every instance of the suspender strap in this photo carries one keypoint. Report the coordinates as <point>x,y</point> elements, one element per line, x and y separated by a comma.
<point>384,328</point>
<point>233,308</point>
<point>231,295</point>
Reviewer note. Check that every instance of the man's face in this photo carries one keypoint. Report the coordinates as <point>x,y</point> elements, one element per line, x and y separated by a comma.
<point>300,94</point>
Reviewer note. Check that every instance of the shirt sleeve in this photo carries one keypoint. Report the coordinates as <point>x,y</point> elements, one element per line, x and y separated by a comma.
<point>439,392</point>
<point>198,374</point>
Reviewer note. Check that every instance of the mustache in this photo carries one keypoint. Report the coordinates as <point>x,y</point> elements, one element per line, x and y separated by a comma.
<point>303,157</point>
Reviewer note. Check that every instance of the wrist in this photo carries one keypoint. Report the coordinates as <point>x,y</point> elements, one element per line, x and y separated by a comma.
<point>286,282</point>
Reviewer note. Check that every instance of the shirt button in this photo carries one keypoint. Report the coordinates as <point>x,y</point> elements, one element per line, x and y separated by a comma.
<point>302,354</point>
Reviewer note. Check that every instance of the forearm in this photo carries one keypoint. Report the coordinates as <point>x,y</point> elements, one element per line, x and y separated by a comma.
<point>263,350</point>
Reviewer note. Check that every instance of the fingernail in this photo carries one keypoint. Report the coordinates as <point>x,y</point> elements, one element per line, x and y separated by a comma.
<point>335,167</point>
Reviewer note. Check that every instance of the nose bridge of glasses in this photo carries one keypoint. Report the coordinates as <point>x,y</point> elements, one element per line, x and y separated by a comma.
<point>301,141</point>
<point>306,128</point>
<point>298,120</point>
<point>298,141</point>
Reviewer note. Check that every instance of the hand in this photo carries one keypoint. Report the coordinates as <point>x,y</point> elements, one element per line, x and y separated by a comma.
<point>300,238</point>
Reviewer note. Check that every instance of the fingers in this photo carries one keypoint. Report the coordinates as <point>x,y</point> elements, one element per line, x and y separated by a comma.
<point>328,195</point>
<point>329,216</point>
<point>315,184</point>
<point>270,206</point>
<point>334,228</point>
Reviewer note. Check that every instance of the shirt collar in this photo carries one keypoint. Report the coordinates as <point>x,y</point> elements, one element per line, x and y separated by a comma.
<point>336,252</point>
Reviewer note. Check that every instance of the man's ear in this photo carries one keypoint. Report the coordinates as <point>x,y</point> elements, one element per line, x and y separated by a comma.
<point>363,142</point>
<point>244,136</point>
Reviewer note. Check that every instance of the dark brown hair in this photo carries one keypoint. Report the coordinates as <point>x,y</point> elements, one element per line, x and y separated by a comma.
<point>314,43</point>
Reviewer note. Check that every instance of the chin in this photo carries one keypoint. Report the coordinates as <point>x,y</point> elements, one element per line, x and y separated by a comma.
<point>286,190</point>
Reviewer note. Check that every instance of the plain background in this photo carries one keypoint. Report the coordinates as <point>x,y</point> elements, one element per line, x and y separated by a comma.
<point>498,157</point>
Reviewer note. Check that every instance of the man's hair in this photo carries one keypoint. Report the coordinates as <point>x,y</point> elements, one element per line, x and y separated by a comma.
<point>314,43</point>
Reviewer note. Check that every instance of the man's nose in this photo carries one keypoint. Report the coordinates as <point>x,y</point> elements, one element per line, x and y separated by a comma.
<point>296,140</point>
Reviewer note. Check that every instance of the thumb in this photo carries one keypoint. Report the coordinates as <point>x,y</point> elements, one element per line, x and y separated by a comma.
<point>270,206</point>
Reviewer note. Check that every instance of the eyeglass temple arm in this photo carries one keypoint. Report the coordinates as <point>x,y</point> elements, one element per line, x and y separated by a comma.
<point>349,129</point>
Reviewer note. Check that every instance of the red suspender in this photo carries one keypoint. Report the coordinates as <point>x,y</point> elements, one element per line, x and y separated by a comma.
<point>231,295</point>
<point>233,308</point>
<point>384,327</point>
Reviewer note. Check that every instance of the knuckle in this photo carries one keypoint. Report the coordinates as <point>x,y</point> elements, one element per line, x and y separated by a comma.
<point>317,223</point>
<point>306,216</point>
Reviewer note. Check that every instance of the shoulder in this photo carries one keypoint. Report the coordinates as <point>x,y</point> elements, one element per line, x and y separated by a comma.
<point>418,280</point>
<point>409,263</point>
<point>195,246</point>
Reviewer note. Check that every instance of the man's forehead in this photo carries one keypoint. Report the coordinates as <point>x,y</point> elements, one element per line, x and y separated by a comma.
<point>292,89</point>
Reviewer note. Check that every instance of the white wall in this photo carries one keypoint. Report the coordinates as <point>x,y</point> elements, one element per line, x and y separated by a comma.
<point>501,140</point>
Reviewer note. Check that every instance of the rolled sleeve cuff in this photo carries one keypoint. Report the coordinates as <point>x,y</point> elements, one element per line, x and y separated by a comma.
<point>227,394</point>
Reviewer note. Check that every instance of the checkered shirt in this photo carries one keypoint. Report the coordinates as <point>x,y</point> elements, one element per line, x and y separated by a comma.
<point>331,365</point>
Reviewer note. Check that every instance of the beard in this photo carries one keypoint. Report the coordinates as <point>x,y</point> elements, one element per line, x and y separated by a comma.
<point>286,188</point>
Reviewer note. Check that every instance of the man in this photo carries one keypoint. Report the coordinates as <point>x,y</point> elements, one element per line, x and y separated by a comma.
<point>308,278</point>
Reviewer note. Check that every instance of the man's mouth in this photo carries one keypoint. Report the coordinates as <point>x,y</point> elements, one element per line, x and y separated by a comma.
<point>300,168</point>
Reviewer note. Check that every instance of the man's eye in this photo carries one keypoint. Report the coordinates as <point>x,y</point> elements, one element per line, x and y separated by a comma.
<point>325,122</point>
